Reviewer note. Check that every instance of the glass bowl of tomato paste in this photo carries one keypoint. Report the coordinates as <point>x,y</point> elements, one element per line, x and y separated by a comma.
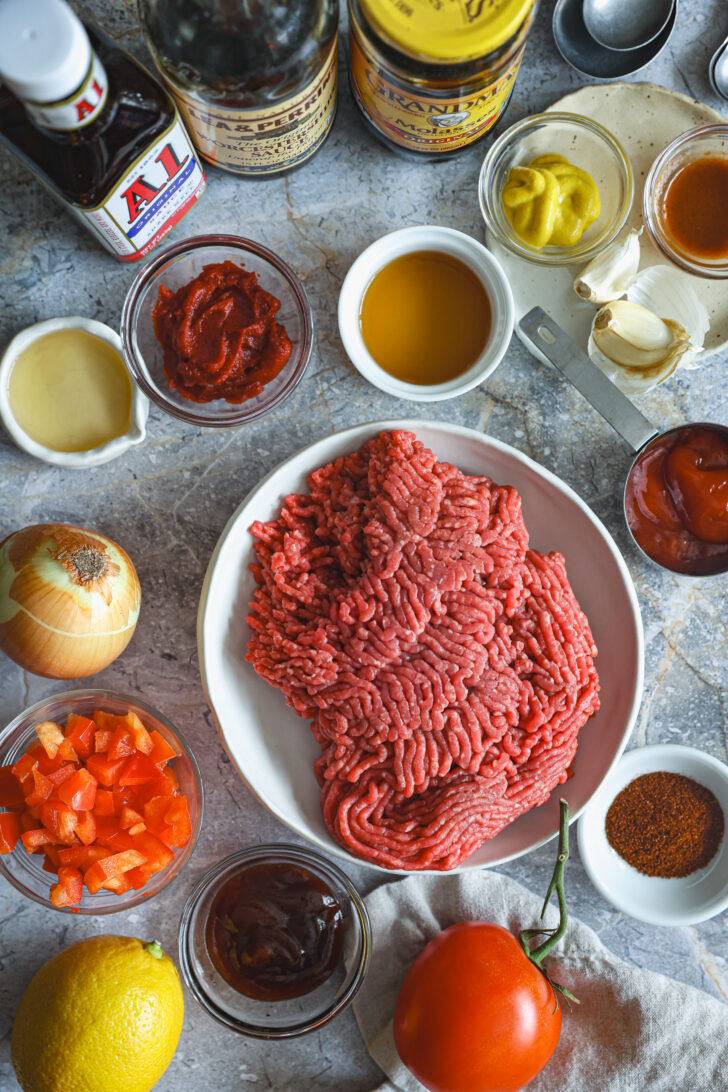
<point>275,941</point>
<point>217,330</point>
<point>101,802</point>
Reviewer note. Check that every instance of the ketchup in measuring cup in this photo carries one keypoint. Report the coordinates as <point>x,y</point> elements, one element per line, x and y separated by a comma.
<point>676,499</point>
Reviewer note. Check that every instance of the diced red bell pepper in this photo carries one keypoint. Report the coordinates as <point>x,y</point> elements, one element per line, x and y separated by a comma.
<point>154,816</point>
<point>139,876</point>
<point>122,744</point>
<point>157,854</point>
<point>69,889</point>
<point>59,819</point>
<point>118,884</point>
<point>45,764</point>
<point>51,737</point>
<point>80,732</point>
<point>104,804</point>
<point>42,789</point>
<point>139,770</point>
<point>49,864</point>
<point>119,841</point>
<point>23,772</point>
<point>81,856</point>
<point>79,791</point>
<point>178,816</point>
<point>64,771</point>
<point>102,739</point>
<point>161,751</point>
<point>105,770</point>
<point>11,793</point>
<point>142,739</point>
<point>34,839</point>
<point>106,827</point>
<point>86,827</point>
<point>9,831</point>
<point>128,817</point>
<point>111,867</point>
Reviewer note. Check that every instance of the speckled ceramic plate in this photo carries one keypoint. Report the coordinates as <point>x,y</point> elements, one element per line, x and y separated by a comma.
<point>273,749</point>
<point>644,118</point>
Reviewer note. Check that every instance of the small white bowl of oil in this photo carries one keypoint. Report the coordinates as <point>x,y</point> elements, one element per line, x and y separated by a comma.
<point>66,395</point>
<point>426,313</point>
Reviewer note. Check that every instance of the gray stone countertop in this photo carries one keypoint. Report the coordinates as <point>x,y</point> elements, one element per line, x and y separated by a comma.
<point>168,500</point>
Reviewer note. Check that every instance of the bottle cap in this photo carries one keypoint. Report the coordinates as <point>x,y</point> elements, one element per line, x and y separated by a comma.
<point>44,49</point>
<point>448,33</point>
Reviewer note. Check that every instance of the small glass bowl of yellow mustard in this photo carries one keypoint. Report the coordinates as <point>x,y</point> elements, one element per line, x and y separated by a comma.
<point>588,211</point>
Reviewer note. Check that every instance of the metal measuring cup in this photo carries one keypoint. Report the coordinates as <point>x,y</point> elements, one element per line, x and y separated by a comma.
<point>545,339</point>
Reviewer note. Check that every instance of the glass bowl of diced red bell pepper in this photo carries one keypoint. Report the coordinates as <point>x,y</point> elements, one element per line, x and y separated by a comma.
<point>100,802</point>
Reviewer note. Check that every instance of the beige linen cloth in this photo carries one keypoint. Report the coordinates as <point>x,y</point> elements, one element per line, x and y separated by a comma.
<point>634,1031</point>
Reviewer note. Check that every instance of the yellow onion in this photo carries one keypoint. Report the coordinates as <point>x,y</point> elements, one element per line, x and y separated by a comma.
<point>69,600</point>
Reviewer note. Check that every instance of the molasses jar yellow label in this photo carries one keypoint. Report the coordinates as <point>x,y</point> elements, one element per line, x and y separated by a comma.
<point>433,77</point>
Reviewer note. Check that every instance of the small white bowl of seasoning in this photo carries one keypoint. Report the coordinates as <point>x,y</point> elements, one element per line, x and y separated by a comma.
<point>66,395</point>
<point>426,313</point>
<point>653,838</point>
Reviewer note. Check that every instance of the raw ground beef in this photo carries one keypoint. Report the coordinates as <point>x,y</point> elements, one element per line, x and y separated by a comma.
<point>446,669</point>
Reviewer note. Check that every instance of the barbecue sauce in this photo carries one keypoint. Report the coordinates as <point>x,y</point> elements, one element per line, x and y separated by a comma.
<point>113,150</point>
<point>676,500</point>
<point>275,932</point>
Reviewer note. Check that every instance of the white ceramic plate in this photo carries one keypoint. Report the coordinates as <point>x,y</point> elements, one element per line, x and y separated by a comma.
<point>644,118</point>
<point>273,749</point>
<point>658,901</point>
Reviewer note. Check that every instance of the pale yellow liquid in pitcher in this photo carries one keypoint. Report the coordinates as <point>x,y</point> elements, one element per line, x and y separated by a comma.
<point>70,391</point>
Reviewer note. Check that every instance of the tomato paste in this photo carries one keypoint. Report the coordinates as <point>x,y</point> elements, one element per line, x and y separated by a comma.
<point>220,335</point>
<point>676,499</point>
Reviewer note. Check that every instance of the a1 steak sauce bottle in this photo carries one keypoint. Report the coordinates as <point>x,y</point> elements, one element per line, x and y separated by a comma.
<point>94,126</point>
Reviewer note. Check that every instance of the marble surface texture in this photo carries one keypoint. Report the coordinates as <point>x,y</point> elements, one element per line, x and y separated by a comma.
<point>168,500</point>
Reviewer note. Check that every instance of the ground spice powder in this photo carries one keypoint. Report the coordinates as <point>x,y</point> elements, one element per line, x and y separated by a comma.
<point>665,824</point>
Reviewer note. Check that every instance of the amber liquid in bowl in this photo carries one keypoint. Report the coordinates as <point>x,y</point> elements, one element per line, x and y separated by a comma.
<point>696,208</point>
<point>425,317</point>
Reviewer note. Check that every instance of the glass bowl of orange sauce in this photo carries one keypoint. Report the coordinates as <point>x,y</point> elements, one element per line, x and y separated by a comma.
<point>274,941</point>
<point>686,201</point>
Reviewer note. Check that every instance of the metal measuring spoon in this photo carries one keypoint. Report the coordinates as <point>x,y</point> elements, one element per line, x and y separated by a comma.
<point>626,24</point>
<point>718,70</point>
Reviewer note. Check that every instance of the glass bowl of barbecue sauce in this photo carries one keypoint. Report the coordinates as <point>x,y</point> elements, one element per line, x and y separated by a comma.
<point>274,941</point>
<point>684,204</point>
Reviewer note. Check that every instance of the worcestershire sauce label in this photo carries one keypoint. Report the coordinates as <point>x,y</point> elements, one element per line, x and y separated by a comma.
<point>154,195</point>
<point>260,142</point>
<point>422,122</point>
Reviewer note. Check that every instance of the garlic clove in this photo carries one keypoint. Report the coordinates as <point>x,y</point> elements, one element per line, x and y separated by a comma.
<point>668,292</point>
<point>636,348</point>
<point>610,274</point>
<point>633,381</point>
<point>633,336</point>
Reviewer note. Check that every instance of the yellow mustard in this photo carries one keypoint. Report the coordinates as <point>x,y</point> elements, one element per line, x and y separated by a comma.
<point>550,202</point>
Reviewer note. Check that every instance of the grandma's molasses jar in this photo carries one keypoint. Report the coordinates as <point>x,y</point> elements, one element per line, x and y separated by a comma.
<point>433,76</point>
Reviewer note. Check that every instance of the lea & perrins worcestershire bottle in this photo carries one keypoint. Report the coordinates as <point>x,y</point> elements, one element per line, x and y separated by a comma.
<point>94,126</point>
<point>255,81</point>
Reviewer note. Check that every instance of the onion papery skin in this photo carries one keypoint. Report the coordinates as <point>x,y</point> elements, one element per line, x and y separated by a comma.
<point>53,625</point>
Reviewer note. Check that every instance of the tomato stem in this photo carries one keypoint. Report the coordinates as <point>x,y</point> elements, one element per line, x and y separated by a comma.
<point>553,936</point>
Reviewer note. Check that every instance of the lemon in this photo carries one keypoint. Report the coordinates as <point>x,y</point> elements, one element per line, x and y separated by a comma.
<point>104,1015</point>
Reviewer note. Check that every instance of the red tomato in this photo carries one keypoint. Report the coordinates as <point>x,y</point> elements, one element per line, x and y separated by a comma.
<point>474,1014</point>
